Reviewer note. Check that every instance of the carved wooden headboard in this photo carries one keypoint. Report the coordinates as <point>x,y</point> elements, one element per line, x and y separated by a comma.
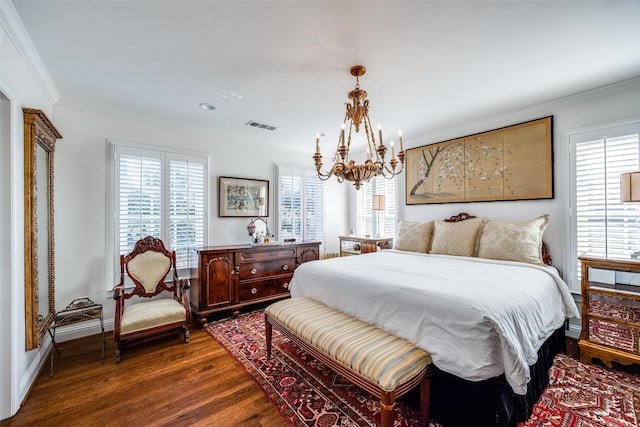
<point>546,257</point>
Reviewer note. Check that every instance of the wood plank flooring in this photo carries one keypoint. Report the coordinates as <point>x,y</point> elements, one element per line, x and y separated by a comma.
<point>163,382</point>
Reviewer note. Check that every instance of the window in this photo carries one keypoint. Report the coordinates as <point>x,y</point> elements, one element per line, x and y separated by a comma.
<point>371,222</point>
<point>299,203</point>
<point>603,226</point>
<point>160,193</point>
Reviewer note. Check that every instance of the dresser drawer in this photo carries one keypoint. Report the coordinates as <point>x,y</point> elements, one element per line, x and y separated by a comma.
<point>267,268</point>
<point>250,290</point>
<point>266,255</point>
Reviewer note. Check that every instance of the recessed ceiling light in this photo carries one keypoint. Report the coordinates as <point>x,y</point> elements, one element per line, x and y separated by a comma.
<point>207,106</point>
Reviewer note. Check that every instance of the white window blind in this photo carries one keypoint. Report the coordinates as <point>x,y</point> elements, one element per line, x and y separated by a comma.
<point>603,226</point>
<point>186,207</point>
<point>158,193</point>
<point>300,205</point>
<point>376,223</point>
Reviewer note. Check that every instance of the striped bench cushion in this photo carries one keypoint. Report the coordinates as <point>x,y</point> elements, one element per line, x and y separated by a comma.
<point>379,356</point>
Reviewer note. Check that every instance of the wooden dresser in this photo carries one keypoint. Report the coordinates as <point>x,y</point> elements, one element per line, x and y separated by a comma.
<point>610,311</point>
<point>232,277</point>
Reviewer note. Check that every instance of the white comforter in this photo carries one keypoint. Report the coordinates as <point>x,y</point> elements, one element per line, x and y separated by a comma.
<point>478,318</point>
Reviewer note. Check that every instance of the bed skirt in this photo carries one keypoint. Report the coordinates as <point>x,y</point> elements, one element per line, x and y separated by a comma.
<point>456,402</point>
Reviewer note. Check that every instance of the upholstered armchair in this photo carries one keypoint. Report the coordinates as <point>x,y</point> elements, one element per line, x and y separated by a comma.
<point>148,266</point>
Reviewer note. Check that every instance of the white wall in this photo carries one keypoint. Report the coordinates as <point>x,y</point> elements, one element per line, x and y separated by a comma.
<point>80,194</point>
<point>23,83</point>
<point>608,104</point>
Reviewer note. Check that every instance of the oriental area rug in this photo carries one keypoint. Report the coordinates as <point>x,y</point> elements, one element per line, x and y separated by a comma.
<point>307,393</point>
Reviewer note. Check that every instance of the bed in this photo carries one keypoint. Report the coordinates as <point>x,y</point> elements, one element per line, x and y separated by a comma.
<point>491,323</point>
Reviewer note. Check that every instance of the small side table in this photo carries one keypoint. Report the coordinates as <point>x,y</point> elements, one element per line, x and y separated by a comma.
<point>79,310</point>
<point>351,245</point>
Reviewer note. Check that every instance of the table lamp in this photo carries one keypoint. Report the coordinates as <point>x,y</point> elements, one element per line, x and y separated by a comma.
<point>630,192</point>
<point>378,205</point>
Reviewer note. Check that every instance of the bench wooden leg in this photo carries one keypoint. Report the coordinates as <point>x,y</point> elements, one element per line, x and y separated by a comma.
<point>268,333</point>
<point>425,397</point>
<point>387,404</point>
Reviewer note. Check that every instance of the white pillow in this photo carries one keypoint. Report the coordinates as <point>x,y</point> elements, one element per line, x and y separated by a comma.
<point>457,238</point>
<point>413,236</point>
<point>514,241</point>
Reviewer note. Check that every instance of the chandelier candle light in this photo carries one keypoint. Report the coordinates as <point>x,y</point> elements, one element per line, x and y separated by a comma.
<point>345,168</point>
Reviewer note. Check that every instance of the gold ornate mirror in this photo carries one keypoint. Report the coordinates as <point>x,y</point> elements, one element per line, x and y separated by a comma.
<point>39,277</point>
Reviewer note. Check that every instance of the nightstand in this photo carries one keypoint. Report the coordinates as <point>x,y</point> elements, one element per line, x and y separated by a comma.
<point>610,311</point>
<point>351,245</point>
<point>79,310</point>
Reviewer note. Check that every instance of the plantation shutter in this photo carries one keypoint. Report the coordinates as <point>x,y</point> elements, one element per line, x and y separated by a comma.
<point>313,207</point>
<point>139,197</point>
<point>161,194</point>
<point>376,223</point>
<point>300,205</point>
<point>186,207</point>
<point>604,226</point>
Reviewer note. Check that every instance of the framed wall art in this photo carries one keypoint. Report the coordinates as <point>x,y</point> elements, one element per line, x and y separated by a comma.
<point>510,163</point>
<point>240,197</point>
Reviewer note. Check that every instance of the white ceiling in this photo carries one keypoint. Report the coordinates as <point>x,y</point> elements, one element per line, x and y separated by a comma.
<point>286,63</point>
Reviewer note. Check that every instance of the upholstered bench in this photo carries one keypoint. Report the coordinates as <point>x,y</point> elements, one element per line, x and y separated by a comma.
<point>376,361</point>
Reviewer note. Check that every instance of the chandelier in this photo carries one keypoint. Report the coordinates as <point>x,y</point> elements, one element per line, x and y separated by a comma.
<point>344,168</point>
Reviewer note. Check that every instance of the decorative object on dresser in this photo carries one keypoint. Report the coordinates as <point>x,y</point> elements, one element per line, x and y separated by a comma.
<point>258,230</point>
<point>148,266</point>
<point>344,168</point>
<point>610,310</point>
<point>510,163</point>
<point>240,197</point>
<point>232,277</point>
<point>351,245</point>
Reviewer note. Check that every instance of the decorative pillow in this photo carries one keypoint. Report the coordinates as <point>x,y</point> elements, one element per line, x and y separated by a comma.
<point>413,236</point>
<point>514,241</point>
<point>457,238</point>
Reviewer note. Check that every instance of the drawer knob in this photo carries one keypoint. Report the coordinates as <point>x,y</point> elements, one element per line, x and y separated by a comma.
<point>285,267</point>
<point>254,271</point>
<point>285,285</point>
<point>254,291</point>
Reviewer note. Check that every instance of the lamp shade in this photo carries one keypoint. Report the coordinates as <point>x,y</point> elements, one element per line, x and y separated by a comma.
<point>378,202</point>
<point>629,187</point>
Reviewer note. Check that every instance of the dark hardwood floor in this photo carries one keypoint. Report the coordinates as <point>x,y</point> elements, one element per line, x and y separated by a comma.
<point>159,382</point>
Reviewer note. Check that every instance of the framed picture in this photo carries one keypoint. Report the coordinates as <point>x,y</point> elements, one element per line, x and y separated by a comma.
<point>510,163</point>
<point>243,197</point>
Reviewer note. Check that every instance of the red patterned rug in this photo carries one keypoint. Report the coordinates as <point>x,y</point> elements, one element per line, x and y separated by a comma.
<point>307,393</point>
<point>581,395</point>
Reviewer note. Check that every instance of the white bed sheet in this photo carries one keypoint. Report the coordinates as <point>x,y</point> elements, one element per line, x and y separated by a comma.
<point>478,318</point>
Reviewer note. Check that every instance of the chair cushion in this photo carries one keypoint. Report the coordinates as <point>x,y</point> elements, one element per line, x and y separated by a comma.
<point>150,314</point>
<point>375,354</point>
<point>149,268</point>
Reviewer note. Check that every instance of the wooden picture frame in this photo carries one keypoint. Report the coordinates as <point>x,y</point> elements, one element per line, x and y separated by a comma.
<point>509,163</point>
<point>243,197</point>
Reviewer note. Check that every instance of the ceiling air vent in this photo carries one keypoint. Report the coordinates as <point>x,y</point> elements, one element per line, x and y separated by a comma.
<point>260,125</point>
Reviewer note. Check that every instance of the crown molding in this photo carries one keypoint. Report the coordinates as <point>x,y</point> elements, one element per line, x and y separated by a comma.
<point>14,27</point>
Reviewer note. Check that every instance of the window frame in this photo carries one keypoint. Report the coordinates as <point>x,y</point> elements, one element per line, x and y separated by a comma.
<point>571,267</point>
<point>372,216</point>
<point>277,167</point>
<point>112,261</point>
